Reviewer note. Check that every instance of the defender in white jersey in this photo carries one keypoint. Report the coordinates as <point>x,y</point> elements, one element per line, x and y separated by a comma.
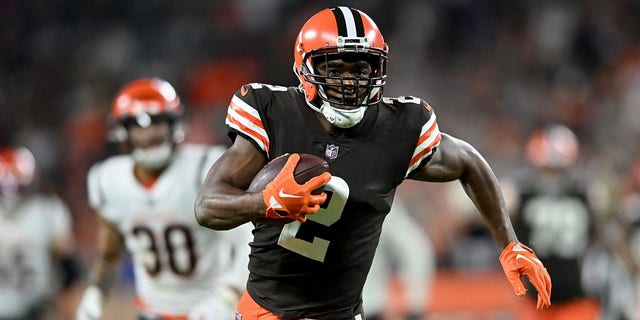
<point>145,200</point>
<point>35,233</point>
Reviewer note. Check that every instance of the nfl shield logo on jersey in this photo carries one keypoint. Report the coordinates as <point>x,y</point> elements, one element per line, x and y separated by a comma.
<point>238,315</point>
<point>332,151</point>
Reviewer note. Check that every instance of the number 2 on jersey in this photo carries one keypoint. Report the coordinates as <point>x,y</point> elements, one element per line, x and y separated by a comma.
<point>326,216</point>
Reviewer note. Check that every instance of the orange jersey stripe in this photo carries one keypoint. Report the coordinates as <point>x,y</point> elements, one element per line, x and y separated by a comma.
<point>432,133</point>
<point>242,117</point>
<point>245,115</point>
<point>263,141</point>
<point>418,157</point>
<point>426,135</point>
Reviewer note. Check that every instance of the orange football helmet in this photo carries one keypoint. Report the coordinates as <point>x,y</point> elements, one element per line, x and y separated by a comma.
<point>143,101</point>
<point>150,96</point>
<point>17,169</point>
<point>334,32</point>
<point>554,147</point>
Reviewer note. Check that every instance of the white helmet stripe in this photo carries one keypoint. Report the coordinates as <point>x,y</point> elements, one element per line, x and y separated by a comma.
<point>349,21</point>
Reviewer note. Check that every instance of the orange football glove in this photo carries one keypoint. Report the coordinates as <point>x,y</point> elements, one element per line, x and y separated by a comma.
<point>517,260</point>
<point>285,198</point>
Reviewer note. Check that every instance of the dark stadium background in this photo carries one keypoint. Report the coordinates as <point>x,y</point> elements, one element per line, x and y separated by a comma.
<point>493,70</point>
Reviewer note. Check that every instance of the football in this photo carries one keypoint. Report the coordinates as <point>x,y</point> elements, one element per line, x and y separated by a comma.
<point>308,167</point>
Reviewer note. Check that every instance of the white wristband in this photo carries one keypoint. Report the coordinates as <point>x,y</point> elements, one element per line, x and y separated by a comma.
<point>90,307</point>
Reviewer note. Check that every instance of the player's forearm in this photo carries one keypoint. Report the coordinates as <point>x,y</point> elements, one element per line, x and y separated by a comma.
<point>483,189</point>
<point>104,274</point>
<point>102,277</point>
<point>227,209</point>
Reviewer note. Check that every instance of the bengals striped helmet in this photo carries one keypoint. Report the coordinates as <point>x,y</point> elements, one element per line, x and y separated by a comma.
<point>142,99</point>
<point>145,101</point>
<point>331,34</point>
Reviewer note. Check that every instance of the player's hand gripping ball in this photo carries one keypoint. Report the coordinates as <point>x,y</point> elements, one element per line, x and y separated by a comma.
<point>292,187</point>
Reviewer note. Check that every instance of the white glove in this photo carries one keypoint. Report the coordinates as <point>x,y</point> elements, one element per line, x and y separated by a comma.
<point>219,307</point>
<point>90,307</point>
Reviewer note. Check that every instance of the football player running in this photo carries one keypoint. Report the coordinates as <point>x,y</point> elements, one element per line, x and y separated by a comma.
<point>317,269</point>
<point>145,200</point>
<point>36,240</point>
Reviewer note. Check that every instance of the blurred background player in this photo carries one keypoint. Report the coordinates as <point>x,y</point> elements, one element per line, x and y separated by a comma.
<point>405,254</point>
<point>36,242</point>
<point>555,210</point>
<point>615,263</point>
<point>145,200</point>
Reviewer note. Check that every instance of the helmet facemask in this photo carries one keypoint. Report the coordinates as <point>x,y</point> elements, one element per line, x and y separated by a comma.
<point>142,103</point>
<point>155,157</point>
<point>354,93</point>
<point>349,35</point>
<point>372,83</point>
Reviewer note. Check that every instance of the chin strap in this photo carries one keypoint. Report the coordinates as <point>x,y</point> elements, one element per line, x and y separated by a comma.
<point>341,118</point>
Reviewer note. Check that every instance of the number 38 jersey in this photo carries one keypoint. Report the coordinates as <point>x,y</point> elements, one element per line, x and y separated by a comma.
<point>317,269</point>
<point>177,263</point>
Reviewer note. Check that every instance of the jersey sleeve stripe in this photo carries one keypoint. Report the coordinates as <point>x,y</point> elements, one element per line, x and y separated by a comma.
<point>240,109</point>
<point>428,140</point>
<point>264,144</point>
<point>245,119</point>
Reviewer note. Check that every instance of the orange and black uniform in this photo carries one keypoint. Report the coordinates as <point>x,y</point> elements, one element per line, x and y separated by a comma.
<point>373,158</point>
